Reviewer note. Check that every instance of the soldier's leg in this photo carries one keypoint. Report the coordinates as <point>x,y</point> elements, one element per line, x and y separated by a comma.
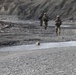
<point>56,30</point>
<point>46,24</point>
<point>59,30</point>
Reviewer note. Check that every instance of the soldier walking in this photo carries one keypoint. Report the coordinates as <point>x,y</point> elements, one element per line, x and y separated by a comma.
<point>41,21</point>
<point>45,20</point>
<point>58,23</point>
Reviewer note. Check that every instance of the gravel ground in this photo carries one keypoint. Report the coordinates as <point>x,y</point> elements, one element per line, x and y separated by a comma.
<point>29,32</point>
<point>53,61</point>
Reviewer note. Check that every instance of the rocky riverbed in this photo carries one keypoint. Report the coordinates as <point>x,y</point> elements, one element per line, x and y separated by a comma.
<point>52,61</point>
<point>18,32</point>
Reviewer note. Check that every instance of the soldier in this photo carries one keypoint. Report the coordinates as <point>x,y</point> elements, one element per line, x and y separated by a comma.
<point>40,18</point>
<point>45,20</point>
<point>58,22</point>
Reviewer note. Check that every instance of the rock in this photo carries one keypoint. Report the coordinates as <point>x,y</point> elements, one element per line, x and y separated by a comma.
<point>38,43</point>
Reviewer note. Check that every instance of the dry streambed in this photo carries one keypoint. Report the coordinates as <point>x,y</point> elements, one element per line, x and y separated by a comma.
<point>29,32</point>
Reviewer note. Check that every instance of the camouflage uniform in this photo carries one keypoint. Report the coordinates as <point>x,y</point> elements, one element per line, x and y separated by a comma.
<point>41,21</point>
<point>45,20</point>
<point>58,22</point>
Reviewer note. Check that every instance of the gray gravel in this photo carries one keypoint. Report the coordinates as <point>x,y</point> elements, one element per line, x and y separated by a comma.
<point>53,61</point>
<point>29,32</point>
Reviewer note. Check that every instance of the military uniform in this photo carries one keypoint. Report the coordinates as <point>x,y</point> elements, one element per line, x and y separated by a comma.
<point>58,22</point>
<point>41,21</point>
<point>45,20</point>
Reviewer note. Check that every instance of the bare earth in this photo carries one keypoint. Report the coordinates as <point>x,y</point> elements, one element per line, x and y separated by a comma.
<point>53,61</point>
<point>14,32</point>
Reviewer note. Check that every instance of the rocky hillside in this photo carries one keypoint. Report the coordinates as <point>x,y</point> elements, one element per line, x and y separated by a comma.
<point>32,9</point>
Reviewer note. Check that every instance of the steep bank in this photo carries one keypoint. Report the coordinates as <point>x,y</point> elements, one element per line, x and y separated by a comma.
<point>32,9</point>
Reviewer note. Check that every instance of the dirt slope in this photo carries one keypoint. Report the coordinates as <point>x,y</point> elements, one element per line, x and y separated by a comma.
<point>31,9</point>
